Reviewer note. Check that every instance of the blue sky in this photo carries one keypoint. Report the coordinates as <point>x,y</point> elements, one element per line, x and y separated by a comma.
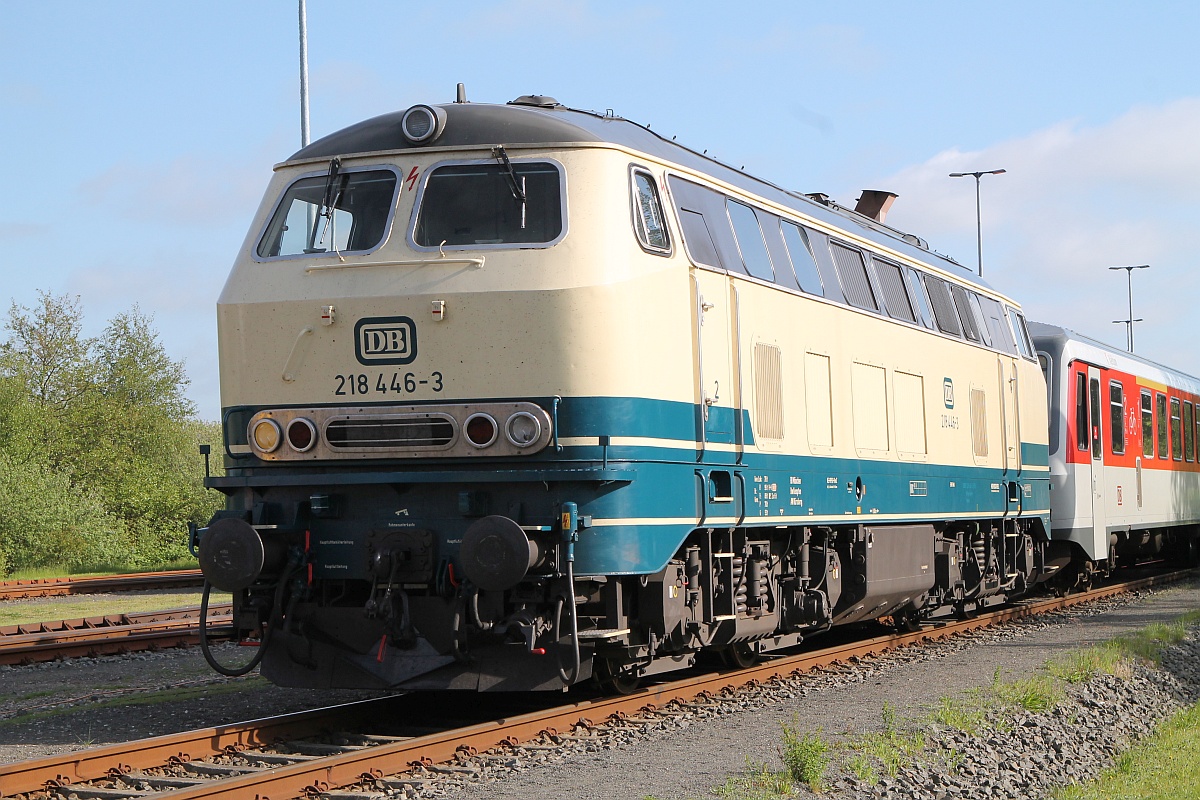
<point>139,136</point>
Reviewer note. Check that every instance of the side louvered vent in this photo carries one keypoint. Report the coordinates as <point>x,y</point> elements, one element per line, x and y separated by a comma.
<point>768,391</point>
<point>979,434</point>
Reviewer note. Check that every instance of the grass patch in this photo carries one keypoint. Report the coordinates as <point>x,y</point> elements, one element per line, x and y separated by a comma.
<point>1162,768</point>
<point>756,783</point>
<point>806,756</point>
<point>891,747</point>
<point>62,571</point>
<point>1039,692</point>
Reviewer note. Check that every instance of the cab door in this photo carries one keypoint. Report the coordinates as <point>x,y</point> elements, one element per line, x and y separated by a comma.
<point>713,364</point>
<point>1095,422</point>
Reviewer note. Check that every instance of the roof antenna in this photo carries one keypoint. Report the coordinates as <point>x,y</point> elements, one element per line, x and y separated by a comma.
<point>462,94</point>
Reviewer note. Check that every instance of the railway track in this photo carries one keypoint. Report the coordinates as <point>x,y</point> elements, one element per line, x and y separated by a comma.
<point>300,755</point>
<point>50,587</point>
<point>111,634</point>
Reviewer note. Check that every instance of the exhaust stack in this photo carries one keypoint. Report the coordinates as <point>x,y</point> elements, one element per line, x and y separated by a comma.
<point>874,203</point>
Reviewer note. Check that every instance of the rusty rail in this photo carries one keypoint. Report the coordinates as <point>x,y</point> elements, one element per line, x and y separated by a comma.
<point>115,633</point>
<point>49,587</point>
<point>321,774</point>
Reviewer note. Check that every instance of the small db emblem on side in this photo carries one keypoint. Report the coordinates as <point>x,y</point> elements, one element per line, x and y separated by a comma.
<point>385,340</point>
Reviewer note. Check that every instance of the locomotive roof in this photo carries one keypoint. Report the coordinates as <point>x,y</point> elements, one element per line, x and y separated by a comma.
<point>537,120</point>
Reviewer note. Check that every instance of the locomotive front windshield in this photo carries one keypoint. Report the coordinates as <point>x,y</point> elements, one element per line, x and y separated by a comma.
<point>339,212</point>
<point>490,204</point>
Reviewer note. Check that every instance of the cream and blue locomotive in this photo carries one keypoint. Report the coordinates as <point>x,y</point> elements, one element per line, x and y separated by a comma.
<point>519,395</point>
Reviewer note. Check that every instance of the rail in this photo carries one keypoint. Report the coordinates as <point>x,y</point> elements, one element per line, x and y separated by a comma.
<point>50,587</point>
<point>371,758</point>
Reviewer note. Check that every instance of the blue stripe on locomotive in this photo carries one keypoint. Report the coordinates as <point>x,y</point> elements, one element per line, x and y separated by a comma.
<point>661,490</point>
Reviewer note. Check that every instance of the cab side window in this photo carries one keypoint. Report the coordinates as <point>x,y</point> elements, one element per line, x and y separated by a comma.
<point>648,220</point>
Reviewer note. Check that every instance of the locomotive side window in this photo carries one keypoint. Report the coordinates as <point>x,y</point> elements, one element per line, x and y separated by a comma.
<point>749,237</point>
<point>918,291</point>
<point>1160,402</point>
<point>852,272</point>
<point>1116,420</point>
<point>697,238</point>
<point>1176,432</point>
<point>1147,425</point>
<point>804,264</point>
<point>984,333</point>
<point>468,205</point>
<point>707,234</point>
<point>970,326</point>
<point>1021,332</point>
<point>648,215</point>
<point>993,318</point>
<point>339,212</point>
<point>891,281</point>
<point>1189,442</point>
<point>943,306</point>
<point>1082,439</point>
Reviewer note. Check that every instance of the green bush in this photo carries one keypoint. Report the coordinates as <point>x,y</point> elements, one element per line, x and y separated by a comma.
<point>98,443</point>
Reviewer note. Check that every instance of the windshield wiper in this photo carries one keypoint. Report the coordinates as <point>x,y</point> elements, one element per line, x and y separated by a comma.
<point>329,199</point>
<point>517,187</point>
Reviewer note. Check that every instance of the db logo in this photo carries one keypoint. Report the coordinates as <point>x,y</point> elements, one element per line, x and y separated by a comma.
<point>948,392</point>
<point>385,340</point>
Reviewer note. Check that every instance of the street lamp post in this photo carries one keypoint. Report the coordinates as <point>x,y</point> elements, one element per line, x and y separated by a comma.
<point>978,218</point>
<point>1129,286</point>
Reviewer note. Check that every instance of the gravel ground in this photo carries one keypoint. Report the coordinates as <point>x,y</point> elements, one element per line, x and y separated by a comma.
<point>86,703</point>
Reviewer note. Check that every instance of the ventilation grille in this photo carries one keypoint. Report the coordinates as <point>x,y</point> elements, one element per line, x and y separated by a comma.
<point>370,433</point>
<point>853,271</point>
<point>979,437</point>
<point>768,391</point>
<point>892,282</point>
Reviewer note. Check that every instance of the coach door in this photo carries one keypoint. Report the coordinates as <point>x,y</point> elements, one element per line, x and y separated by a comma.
<point>715,386</point>
<point>1095,419</point>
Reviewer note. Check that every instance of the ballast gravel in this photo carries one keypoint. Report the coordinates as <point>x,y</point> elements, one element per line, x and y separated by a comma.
<point>686,752</point>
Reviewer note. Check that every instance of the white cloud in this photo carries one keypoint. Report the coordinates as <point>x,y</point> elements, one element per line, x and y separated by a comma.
<point>1077,199</point>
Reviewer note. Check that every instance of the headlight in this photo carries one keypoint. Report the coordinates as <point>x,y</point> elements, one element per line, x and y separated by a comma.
<point>480,429</point>
<point>301,434</point>
<point>422,124</point>
<point>523,429</point>
<point>266,435</point>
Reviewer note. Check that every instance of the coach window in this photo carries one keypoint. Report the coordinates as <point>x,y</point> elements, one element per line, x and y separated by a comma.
<point>1160,410</point>
<point>1147,425</point>
<point>335,212</point>
<point>750,240</point>
<point>1176,433</point>
<point>648,215</point>
<point>1082,438</point>
<point>1097,451</point>
<point>1116,420</point>
<point>895,297</point>
<point>490,204</point>
<point>1189,442</point>
<point>804,264</point>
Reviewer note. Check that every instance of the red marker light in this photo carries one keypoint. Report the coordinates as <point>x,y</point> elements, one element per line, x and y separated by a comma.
<point>538,651</point>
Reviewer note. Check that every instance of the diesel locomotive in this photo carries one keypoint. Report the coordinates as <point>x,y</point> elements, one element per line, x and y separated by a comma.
<point>517,396</point>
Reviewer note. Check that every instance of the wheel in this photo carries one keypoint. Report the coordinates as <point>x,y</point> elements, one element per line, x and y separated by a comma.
<point>907,622</point>
<point>740,656</point>
<point>613,678</point>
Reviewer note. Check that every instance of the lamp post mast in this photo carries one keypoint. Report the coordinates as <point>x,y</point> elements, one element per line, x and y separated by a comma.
<point>978,215</point>
<point>1129,287</point>
<point>303,74</point>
